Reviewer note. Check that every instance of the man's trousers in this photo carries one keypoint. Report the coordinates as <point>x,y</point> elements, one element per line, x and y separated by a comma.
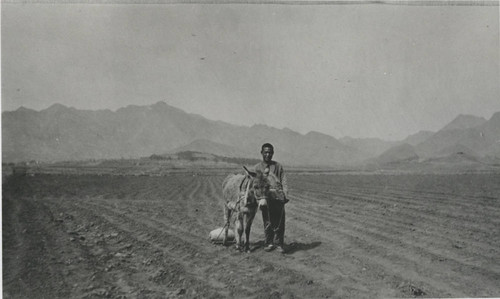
<point>274,222</point>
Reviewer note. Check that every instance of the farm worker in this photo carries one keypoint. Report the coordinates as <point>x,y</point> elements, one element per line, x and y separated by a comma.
<point>273,213</point>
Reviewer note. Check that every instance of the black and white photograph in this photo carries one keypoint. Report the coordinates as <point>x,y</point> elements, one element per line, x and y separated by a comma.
<point>250,149</point>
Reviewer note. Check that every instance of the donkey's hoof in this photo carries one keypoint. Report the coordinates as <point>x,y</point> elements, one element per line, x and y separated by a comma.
<point>237,247</point>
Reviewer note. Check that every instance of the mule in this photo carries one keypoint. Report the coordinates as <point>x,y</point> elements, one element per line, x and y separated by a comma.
<point>242,194</point>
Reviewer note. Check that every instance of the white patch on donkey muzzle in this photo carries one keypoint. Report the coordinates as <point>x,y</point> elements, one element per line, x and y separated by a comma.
<point>262,202</point>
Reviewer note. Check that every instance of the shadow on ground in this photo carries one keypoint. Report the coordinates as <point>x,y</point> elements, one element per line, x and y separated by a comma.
<point>298,246</point>
<point>290,248</point>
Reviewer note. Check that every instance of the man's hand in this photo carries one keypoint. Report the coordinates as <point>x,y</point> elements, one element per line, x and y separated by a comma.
<point>281,197</point>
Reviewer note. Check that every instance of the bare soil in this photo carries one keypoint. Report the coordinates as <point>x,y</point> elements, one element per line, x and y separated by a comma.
<point>348,236</point>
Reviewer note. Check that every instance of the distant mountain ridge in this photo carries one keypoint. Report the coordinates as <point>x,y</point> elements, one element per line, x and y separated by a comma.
<point>61,133</point>
<point>475,133</point>
<point>370,147</point>
<point>467,138</point>
<point>464,121</point>
<point>417,138</point>
<point>397,154</point>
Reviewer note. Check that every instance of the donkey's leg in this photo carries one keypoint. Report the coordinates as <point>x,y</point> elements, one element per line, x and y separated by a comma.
<point>239,230</point>
<point>227,216</point>
<point>247,221</point>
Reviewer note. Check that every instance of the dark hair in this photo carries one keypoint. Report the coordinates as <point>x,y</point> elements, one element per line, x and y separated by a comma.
<point>267,145</point>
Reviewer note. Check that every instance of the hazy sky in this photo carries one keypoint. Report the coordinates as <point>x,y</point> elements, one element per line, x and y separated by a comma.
<point>357,70</point>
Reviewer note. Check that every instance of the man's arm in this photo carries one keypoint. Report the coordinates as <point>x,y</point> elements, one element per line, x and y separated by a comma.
<point>284,183</point>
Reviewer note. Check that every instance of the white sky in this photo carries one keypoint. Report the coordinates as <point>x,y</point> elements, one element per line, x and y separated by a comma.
<point>346,70</point>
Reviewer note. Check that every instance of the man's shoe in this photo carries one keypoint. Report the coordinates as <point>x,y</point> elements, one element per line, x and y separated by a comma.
<point>269,247</point>
<point>280,249</point>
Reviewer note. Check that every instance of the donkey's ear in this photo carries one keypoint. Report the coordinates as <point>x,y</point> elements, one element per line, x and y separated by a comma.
<point>249,173</point>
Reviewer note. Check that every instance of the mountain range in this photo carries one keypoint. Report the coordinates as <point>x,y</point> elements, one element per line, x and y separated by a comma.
<point>61,133</point>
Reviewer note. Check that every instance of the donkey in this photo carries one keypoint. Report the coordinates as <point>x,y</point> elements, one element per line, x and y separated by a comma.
<point>243,193</point>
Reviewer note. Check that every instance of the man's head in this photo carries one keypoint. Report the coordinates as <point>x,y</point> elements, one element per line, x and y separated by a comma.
<point>267,152</point>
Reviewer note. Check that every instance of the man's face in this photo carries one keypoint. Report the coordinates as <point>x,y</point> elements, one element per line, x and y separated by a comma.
<point>267,154</point>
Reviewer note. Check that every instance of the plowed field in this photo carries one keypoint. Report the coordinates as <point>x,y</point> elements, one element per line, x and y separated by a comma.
<point>348,236</point>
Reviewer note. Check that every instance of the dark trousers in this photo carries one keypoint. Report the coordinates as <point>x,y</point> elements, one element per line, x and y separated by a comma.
<point>274,222</point>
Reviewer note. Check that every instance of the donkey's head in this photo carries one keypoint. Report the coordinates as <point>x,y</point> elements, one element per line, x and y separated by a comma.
<point>260,187</point>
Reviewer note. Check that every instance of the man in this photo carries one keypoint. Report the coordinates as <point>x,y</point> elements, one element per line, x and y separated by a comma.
<point>273,213</point>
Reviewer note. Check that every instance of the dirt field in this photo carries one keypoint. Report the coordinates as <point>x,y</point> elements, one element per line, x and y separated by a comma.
<point>348,236</point>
